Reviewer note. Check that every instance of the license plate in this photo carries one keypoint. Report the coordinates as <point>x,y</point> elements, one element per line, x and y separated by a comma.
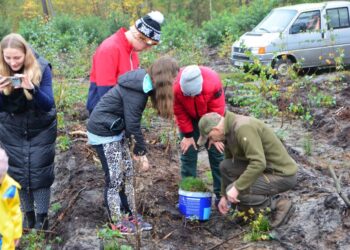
<point>238,63</point>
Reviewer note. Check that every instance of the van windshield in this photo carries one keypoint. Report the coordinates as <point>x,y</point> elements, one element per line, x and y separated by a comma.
<point>276,21</point>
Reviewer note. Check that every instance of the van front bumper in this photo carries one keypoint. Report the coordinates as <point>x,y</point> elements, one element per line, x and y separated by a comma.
<point>239,60</point>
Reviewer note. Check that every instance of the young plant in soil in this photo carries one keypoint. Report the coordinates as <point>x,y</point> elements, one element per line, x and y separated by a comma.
<point>259,225</point>
<point>110,239</point>
<point>192,184</point>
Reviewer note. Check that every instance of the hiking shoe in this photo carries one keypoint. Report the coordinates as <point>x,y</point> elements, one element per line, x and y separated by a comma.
<point>281,212</point>
<point>124,227</point>
<point>143,225</point>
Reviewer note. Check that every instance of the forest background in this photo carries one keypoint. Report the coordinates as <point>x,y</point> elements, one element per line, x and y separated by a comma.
<point>67,32</point>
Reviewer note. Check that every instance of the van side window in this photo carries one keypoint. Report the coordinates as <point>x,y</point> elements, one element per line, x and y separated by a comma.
<point>338,18</point>
<point>307,22</point>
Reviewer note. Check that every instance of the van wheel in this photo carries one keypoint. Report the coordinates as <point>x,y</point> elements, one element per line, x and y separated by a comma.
<point>282,66</point>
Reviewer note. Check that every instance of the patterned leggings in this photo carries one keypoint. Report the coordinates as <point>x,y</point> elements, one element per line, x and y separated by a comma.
<point>39,197</point>
<point>119,176</point>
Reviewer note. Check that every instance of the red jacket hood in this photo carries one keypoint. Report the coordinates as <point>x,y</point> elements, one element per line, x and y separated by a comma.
<point>211,99</point>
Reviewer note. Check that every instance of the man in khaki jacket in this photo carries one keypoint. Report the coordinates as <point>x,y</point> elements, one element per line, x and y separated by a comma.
<point>256,167</point>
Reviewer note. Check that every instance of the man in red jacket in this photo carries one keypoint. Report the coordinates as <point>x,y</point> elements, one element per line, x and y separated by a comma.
<point>117,54</point>
<point>198,90</point>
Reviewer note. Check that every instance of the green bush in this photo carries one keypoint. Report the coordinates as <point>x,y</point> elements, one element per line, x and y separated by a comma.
<point>213,31</point>
<point>118,20</point>
<point>179,40</point>
<point>5,27</point>
<point>65,24</point>
<point>226,23</point>
<point>66,48</point>
<point>176,32</point>
<point>250,16</point>
<point>192,184</point>
<point>95,29</point>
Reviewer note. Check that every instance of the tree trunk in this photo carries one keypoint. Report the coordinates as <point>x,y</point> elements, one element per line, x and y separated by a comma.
<point>51,8</point>
<point>45,9</point>
<point>210,10</point>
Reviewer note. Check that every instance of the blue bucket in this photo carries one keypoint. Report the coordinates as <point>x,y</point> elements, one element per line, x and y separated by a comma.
<point>195,205</point>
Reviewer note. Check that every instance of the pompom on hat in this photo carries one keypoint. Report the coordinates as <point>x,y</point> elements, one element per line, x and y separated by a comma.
<point>150,25</point>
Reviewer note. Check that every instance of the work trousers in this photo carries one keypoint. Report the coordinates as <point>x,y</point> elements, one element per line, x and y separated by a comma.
<point>259,194</point>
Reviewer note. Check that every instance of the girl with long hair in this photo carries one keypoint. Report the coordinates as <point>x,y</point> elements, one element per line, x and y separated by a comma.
<point>28,125</point>
<point>118,116</point>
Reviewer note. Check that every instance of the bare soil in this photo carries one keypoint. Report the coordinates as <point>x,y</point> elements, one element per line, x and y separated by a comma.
<point>321,219</point>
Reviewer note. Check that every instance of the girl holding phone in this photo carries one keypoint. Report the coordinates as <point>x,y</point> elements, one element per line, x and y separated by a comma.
<point>28,125</point>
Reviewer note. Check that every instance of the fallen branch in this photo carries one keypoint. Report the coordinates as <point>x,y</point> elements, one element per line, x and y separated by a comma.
<point>78,132</point>
<point>228,239</point>
<point>80,139</point>
<point>28,230</point>
<point>244,247</point>
<point>338,187</point>
<point>71,203</point>
<point>168,235</point>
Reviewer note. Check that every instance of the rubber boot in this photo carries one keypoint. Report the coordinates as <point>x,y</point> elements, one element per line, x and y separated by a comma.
<point>42,222</point>
<point>30,218</point>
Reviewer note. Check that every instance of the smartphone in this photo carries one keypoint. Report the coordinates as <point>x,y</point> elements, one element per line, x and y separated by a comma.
<point>15,81</point>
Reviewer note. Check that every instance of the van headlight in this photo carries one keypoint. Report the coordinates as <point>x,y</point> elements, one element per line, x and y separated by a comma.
<point>258,50</point>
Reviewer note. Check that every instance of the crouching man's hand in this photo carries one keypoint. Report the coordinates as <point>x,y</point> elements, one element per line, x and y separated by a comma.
<point>223,205</point>
<point>232,194</point>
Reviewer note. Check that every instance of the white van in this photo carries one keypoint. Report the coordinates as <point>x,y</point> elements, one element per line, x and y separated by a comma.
<point>311,34</point>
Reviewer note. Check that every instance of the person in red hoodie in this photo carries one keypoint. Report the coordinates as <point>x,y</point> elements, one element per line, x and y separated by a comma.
<point>117,54</point>
<point>198,90</point>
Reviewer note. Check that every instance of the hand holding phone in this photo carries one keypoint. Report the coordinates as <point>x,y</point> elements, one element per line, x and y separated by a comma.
<point>16,81</point>
<point>4,82</point>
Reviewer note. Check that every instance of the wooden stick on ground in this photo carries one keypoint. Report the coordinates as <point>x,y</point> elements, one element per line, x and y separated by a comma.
<point>71,203</point>
<point>338,187</point>
<point>227,240</point>
<point>28,230</point>
<point>78,133</point>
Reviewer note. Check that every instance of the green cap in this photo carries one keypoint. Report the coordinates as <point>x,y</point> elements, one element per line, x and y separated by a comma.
<point>206,124</point>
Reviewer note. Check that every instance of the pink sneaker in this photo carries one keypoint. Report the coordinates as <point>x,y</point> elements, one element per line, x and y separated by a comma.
<point>143,225</point>
<point>124,227</point>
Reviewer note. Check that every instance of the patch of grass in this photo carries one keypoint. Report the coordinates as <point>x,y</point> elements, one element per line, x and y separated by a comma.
<point>281,134</point>
<point>110,239</point>
<point>33,240</point>
<point>209,177</point>
<point>63,142</point>
<point>307,144</point>
<point>236,74</point>
<point>192,184</point>
<point>60,121</point>
<point>148,114</point>
<point>56,207</point>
